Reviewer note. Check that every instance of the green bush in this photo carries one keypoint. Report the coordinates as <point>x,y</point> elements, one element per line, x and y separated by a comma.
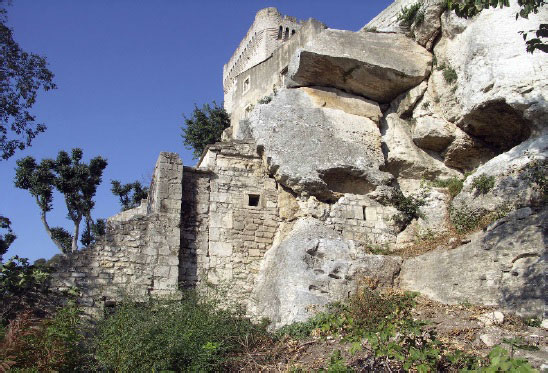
<point>449,74</point>
<point>411,14</point>
<point>409,207</point>
<point>191,334</point>
<point>464,220</point>
<point>483,183</point>
<point>454,185</point>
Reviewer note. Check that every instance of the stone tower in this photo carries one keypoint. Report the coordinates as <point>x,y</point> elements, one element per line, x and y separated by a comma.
<point>268,32</point>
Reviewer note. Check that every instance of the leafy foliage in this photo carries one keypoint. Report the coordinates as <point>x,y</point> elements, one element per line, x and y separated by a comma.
<point>453,184</point>
<point>6,238</point>
<point>22,74</point>
<point>536,173</point>
<point>130,194</point>
<point>411,14</point>
<point>93,231</point>
<point>51,344</point>
<point>74,179</point>
<point>188,335</point>
<point>483,183</point>
<point>408,207</point>
<point>204,127</point>
<point>469,8</point>
<point>20,283</point>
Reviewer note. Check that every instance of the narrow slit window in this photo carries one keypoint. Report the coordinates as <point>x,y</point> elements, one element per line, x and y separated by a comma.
<point>246,85</point>
<point>286,36</point>
<point>364,215</point>
<point>253,200</point>
<point>280,32</point>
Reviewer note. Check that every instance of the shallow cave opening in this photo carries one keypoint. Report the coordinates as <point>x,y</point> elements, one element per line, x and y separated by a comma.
<point>498,125</point>
<point>346,181</point>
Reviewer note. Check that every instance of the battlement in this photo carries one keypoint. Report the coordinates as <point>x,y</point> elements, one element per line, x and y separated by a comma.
<point>269,30</point>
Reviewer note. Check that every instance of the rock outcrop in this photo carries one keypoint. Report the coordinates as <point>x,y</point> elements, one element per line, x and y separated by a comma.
<point>366,64</point>
<point>503,266</point>
<point>311,267</point>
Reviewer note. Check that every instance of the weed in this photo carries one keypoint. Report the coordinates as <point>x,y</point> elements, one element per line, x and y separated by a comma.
<point>425,105</point>
<point>370,29</point>
<point>411,14</point>
<point>536,173</point>
<point>453,184</point>
<point>483,183</point>
<point>337,364</point>
<point>534,322</point>
<point>449,74</point>
<point>500,361</point>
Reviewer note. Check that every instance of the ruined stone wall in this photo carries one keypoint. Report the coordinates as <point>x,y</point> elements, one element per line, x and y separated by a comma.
<point>269,30</point>
<point>139,255</point>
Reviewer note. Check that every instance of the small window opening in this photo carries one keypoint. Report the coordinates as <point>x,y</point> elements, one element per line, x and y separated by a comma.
<point>364,215</point>
<point>246,85</point>
<point>280,32</point>
<point>254,200</point>
<point>286,36</point>
<point>292,32</point>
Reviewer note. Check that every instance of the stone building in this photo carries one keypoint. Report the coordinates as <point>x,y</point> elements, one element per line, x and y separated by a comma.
<point>326,125</point>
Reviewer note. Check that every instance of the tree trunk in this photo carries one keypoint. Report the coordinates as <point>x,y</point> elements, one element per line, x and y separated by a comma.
<point>76,233</point>
<point>48,230</point>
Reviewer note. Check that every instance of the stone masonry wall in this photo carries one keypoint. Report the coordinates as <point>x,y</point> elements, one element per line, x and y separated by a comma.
<point>139,255</point>
<point>243,218</point>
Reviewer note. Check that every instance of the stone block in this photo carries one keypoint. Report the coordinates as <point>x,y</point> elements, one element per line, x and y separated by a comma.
<point>220,249</point>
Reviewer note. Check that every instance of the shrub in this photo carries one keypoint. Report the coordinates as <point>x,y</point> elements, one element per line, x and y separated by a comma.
<point>464,220</point>
<point>483,183</point>
<point>191,334</point>
<point>454,185</point>
<point>409,207</point>
<point>410,14</point>
<point>44,345</point>
<point>204,127</point>
<point>536,173</point>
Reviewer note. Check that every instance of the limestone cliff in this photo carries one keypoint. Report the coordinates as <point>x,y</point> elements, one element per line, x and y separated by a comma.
<point>336,168</point>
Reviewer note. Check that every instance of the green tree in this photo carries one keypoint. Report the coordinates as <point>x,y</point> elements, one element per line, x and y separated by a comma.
<point>74,179</point>
<point>204,127</point>
<point>469,8</point>
<point>22,75</point>
<point>7,237</point>
<point>130,194</point>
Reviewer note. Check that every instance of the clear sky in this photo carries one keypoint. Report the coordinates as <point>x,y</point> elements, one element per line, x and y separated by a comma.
<point>126,71</point>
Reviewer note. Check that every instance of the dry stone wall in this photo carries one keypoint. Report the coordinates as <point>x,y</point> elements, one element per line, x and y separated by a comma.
<point>139,255</point>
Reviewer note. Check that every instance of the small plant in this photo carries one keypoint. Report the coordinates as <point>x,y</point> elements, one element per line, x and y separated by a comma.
<point>425,105</point>
<point>370,29</point>
<point>536,173</point>
<point>500,361</point>
<point>464,220</point>
<point>453,184</point>
<point>411,14</point>
<point>449,74</point>
<point>409,207</point>
<point>337,364</point>
<point>534,322</point>
<point>483,183</point>
<point>265,100</point>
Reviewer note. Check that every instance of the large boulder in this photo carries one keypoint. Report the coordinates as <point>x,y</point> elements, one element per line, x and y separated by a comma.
<point>503,266</point>
<point>404,158</point>
<point>374,65</point>
<point>312,267</point>
<point>316,150</point>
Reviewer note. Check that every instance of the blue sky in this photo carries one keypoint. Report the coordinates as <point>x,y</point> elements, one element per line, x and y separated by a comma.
<point>126,71</point>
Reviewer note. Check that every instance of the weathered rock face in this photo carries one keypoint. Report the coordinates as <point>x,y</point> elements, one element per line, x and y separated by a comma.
<point>310,268</point>
<point>366,64</point>
<point>404,158</point>
<point>318,151</point>
<point>514,184</point>
<point>503,266</point>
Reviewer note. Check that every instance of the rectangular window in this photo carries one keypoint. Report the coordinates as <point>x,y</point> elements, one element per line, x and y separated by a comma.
<point>253,200</point>
<point>363,209</point>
